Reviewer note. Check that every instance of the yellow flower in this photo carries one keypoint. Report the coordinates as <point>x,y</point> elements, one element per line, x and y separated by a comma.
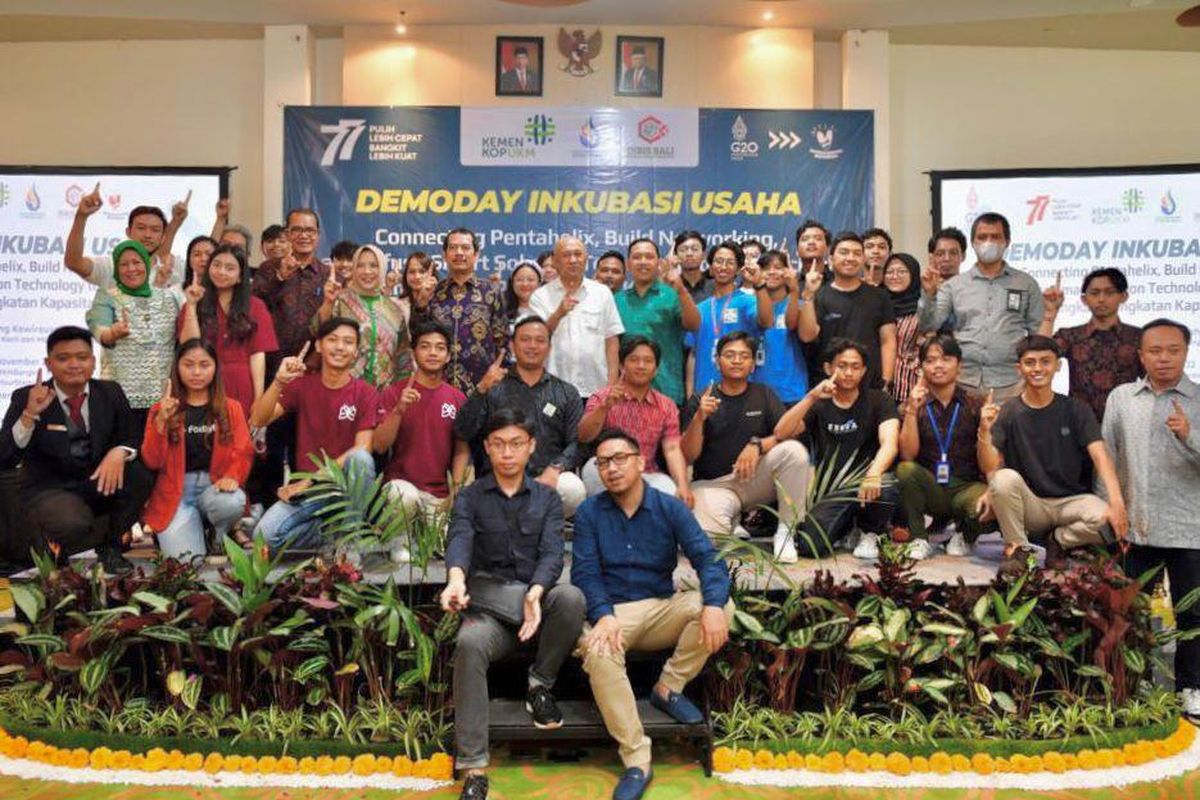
<point>175,759</point>
<point>919,764</point>
<point>940,763</point>
<point>249,765</point>
<point>214,763</point>
<point>814,762</point>
<point>1053,761</point>
<point>1162,748</point>
<point>421,769</point>
<point>193,762</point>
<point>1071,760</point>
<point>1035,764</point>
<point>99,758</point>
<point>983,764</point>
<point>961,763</point>
<point>138,762</point>
<point>79,758</point>
<point>402,765</point>
<point>233,763</point>
<point>287,765</point>
<point>1086,758</point>
<point>898,764</point>
<point>307,765</point>
<point>722,760</point>
<point>856,761</point>
<point>781,761</point>
<point>1003,766</point>
<point>744,759</point>
<point>35,750</point>
<point>383,765</point>
<point>764,759</point>
<point>795,760</point>
<point>324,765</point>
<point>363,764</point>
<point>441,766</point>
<point>834,763</point>
<point>267,765</point>
<point>120,760</point>
<point>341,765</point>
<point>877,761</point>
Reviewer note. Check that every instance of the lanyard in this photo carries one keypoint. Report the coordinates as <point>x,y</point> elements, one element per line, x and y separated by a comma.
<point>943,445</point>
<point>718,320</point>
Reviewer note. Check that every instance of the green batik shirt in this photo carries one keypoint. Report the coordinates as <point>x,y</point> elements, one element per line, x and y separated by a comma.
<point>659,317</point>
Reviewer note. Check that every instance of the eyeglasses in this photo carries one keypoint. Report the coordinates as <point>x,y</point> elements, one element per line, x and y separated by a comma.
<point>303,231</point>
<point>737,355</point>
<point>508,445</point>
<point>724,262</point>
<point>619,460</point>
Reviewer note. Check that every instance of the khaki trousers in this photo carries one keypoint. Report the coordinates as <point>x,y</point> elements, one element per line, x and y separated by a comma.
<point>782,476</point>
<point>1074,521</point>
<point>647,625</point>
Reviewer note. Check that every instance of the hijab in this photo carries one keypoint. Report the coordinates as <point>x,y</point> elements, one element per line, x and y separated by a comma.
<point>118,251</point>
<point>380,258</point>
<point>905,303</point>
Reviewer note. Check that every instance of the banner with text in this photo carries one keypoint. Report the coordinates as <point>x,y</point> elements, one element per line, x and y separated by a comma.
<point>520,177</point>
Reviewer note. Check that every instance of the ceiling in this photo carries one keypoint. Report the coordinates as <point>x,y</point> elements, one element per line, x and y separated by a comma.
<point>1124,24</point>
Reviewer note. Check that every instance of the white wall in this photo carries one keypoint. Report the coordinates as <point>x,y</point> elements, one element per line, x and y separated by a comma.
<point>1002,107</point>
<point>138,103</point>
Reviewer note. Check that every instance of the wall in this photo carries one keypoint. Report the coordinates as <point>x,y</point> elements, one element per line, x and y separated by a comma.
<point>704,66</point>
<point>996,107</point>
<point>189,103</point>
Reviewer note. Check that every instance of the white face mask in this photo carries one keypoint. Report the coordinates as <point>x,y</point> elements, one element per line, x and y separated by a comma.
<point>988,252</point>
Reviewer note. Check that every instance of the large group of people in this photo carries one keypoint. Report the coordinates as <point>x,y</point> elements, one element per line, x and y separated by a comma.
<point>858,396</point>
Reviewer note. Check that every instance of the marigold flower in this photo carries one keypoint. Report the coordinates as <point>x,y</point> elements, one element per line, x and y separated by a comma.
<point>898,764</point>
<point>764,759</point>
<point>834,763</point>
<point>877,762</point>
<point>814,763</point>
<point>267,765</point>
<point>342,765</point>
<point>983,764</point>
<point>214,763</point>
<point>919,764</point>
<point>744,759</point>
<point>857,761</point>
<point>940,763</point>
<point>363,764</point>
<point>402,765</point>
<point>193,762</point>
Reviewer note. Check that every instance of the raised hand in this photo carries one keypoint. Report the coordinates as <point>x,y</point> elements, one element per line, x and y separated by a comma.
<point>1179,423</point>
<point>119,329</point>
<point>824,390</point>
<point>673,278</point>
<point>709,403</point>
<point>424,292</point>
<point>163,269</point>
<point>1052,297</point>
<point>90,203</point>
<point>494,375</point>
<point>391,280</point>
<point>989,411</point>
<point>223,209</point>
<point>812,282</point>
<point>568,303</point>
<point>40,397</point>
<point>288,266</point>
<point>179,210</point>
<point>292,367</point>
<point>791,281</point>
<point>407,397</point>
<point>931,280</point>
<point>333,288</point>
<point>919,394</point>
<point>617,394</point>
<point>195,291</point>
<point>167,406</point>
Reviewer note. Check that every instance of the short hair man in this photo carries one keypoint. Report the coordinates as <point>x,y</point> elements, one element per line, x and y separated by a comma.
<point>624,553</point>
<point>416,424</point>
<point>341,256</point>
<point>688,249</point>
<point>652,418</point>
<point>553,404</point>
<point>520,79</point>
<point>293,285</point>
<point>610,270</point>
<point>990,308</point>
<point>335,416</point>
<point>947,249</point>
<point>1156,452</point>
<point>726,310</point>
<point>583,320</point>
<point>75,438</point>
<point>939,474</point>
<point>1039,453</point>
<point>639,77</point>
<point>1103,352</point>
<point>877,249</point>
<point>509,527</point>
<point>737,460</point>
<point>812,246</point>
<point>274,242</point>
<point>848,308</point>
<point>147,225</point>
<point>850,429</point>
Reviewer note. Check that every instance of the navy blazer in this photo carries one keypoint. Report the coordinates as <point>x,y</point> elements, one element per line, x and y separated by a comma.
<point>47,459</point>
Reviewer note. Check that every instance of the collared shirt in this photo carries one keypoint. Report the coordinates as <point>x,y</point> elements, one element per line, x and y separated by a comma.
<point>556,410</point>
<point>658,316</point>
<point>518,537</point>
<point>963,462</point>
<point>1100,360</point>
<point>991,315</point>
<point>474,315</point>
<point>577,349</point>
<point>292,303</point>
<point>702,289</point>
<point>22,435</point>
<point>653,420</point>
<point>1159,474</point>
<point>618,559</point>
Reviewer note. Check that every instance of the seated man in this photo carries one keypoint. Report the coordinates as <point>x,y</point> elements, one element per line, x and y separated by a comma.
<point>625,551</point>
<point>940,474</point>
<point>74,436</point>
<point>737,461</point>
<point>416,422</point>
<point>852,432</point>
<point>553,403</point>
<point>510,526</point>
<point>1039,452</point>
<point>633,406</point>
<point>335,416</point>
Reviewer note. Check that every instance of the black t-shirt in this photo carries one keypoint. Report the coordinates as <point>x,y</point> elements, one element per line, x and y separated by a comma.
<point>197,439</point>
<point>754,412</point>
<point>838,435</point>
<point>856,315</point>
<point>1048,446</point>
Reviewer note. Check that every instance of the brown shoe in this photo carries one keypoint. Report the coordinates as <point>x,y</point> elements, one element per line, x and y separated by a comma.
<point>1056,554</point>
<point>1016,563</point>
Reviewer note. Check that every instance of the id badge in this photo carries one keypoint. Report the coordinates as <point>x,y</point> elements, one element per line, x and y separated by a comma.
<point>729,316</point>
<point>941,472</point>
<point>1014,299</point>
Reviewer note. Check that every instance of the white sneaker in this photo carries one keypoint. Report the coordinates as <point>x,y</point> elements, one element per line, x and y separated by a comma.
<point>401,554</point>
<point>957,546</point>
<point>868,547</point>
<point>1189,699</point>
<point>785,545</point>
<point>741,533</point>
<point>919,549</point>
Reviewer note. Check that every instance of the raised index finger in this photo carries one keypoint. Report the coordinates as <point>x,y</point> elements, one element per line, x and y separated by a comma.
<point>1178,408</point>
<point>991,397</point>
<point>96,191</point>
<point>188,199</point>
<point>38,382</point>
<point>167,390</point>
<point>1058,280</point>
<point>500,358</point>
<point>304,350</point>
<point>411,380</point>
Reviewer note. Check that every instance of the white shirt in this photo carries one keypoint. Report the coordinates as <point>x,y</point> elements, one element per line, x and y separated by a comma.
<point>102,271</point>
<point>577,352</point>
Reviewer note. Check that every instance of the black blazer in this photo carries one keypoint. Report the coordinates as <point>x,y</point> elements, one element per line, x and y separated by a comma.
<point>47,459</point>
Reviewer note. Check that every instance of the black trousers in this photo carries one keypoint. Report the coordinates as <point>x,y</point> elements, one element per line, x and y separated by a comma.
<point>77,517</point>
<point>1183,566</point>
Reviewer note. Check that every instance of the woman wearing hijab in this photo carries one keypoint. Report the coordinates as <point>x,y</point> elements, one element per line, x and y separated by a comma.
<point>135,322</point>
<point>902,279</point>
<point>384,353</point>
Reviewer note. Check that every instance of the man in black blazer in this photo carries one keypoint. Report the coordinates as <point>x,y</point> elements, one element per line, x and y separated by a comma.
<point>638,77</point>
<point>74,439</point>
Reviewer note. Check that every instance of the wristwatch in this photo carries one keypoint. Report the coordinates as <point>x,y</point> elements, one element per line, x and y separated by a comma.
<point>757,442</point>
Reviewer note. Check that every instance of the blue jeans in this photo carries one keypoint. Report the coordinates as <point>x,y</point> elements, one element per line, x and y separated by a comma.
<point>183,538</point>
<point>297,524</point>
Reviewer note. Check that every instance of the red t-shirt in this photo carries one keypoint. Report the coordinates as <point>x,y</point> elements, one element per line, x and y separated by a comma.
<point>424,444</point>
<point>234,357</point>
<point>327,419</point>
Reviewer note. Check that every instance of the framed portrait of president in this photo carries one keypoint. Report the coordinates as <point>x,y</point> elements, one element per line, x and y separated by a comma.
<point>639,66</point>
<point>519,66</point>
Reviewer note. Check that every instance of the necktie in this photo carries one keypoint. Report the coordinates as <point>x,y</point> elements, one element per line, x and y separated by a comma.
<point>521,78</point>
<point>75,407</point>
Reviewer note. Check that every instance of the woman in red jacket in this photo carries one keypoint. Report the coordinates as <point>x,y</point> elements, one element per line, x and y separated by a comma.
<point>200,444</point>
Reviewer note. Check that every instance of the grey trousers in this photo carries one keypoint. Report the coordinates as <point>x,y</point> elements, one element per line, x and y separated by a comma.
<point>482,639</point>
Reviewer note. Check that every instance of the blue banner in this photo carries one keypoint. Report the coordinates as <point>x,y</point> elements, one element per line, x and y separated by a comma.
<point>520,177</point>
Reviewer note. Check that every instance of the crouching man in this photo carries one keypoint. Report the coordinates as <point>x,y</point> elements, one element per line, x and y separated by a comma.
<point>506,532</point>
<point>626,548</point>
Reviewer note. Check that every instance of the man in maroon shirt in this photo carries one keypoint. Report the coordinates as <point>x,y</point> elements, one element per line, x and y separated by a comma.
<point>416,422</point>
